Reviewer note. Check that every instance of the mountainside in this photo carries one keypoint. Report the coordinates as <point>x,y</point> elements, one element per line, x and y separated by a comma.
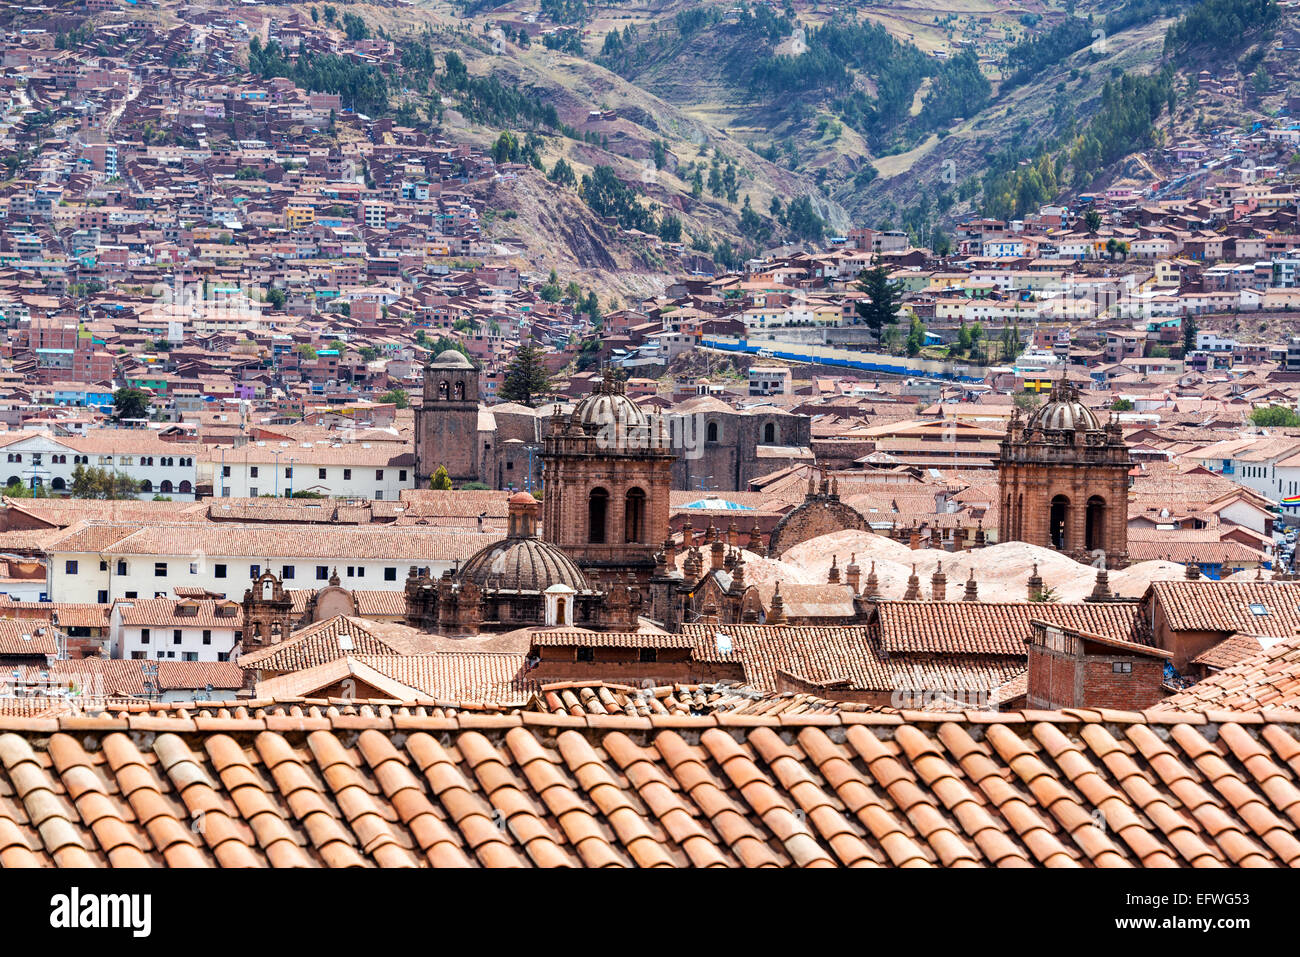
<point>736,127</point>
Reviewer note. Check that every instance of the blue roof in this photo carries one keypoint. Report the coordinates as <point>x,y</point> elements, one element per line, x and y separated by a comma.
<point>717,504</point>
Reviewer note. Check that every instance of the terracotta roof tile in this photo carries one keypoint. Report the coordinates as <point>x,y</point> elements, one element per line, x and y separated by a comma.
<point>1267,681</point>
<point>1057,789</point>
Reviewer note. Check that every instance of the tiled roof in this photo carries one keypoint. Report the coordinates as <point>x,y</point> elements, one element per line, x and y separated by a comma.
<point>369,785</point>
<point>471,675</point>
<point>1234,648</point>
<point>839,659</point>
<point>20,637</point>
<point>379,604</point>
<point>170,613</point>
<point>1227,606</point>
<point>118,677</point>
<point>319,643</point>
<point>1267,680</point>
<point>603,697</point>
<point>364,543</point>
<point>562,637</point>
<point>995,628</point>
<point>1221,552</point>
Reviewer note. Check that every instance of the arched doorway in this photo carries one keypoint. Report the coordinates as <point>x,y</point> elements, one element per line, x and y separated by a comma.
<point>1058,521</point>
<point>1096,523</point>
<point>634,516</point>
<point>769,433</point>
<point>597,510</point>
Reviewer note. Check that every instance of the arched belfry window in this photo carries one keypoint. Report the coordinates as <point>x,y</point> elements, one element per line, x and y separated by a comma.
<point>1058,522</point>
<point>1096,523</point>
<point>634,516</point>
<point>597,512</point>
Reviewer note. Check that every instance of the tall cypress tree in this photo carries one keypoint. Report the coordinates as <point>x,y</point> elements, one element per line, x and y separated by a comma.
<point>885,297</point>
<point>527,379</point>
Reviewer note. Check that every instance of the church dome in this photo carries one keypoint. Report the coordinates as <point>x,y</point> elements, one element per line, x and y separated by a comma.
<point>522,564</point>
<point>607,404</point>
<point>522,561</point>
<point>1063,412</point>
<point>451,359</point>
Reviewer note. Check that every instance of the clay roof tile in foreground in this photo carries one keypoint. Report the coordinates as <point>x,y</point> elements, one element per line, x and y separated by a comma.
<point>376,784</point>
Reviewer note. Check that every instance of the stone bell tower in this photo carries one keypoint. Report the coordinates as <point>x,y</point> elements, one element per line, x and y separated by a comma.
<point>1063,481</point>
<point>446,420</point>
<point>268,613</point>
<point>608,471</point>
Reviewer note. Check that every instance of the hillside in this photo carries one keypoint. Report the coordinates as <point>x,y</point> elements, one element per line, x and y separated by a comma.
<point>737,128</point>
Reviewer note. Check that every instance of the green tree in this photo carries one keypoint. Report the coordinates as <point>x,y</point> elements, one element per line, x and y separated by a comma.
<point>276,298</point>
<point>99,483</point>
<point>915,337</point>
<point>1092,220</point>
<point>1121,405</point>
<point>1189,334</point>
<point>130,404</point>
<point>441,481</point>
<point>1275,416</point>
<point>963,340</point>
<point>562,174</point>
<point>976,337</point>
<point>527,379</point>
<point>399,397</point>
<point>19,490</point>
<point>884,298</point>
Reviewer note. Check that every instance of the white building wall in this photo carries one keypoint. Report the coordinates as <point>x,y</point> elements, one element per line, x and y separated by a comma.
<point>53,464</point>
<point>337,481</point>
<point>136,576</point>
<point>161,643</point>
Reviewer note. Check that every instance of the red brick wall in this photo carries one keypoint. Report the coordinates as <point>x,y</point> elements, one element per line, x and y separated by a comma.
<point>1059,681</point>
<point>1103,688</point>
<point>1053,679</point>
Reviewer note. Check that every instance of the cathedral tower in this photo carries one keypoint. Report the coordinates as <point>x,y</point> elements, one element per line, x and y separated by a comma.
<point>608,470</point>
<point>1063,481</point>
